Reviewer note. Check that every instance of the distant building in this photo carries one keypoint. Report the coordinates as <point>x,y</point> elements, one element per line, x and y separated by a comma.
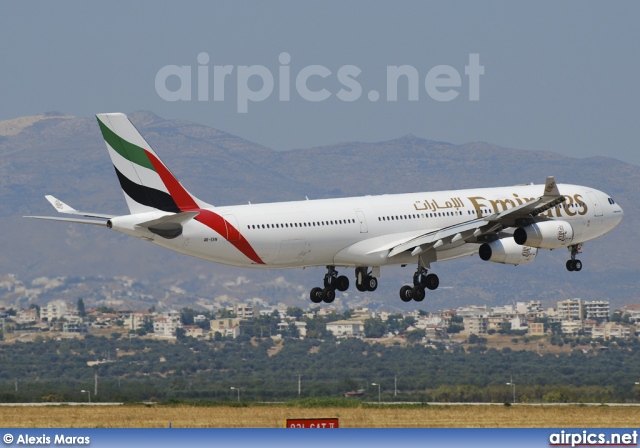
<point>633,311</point>
<point>346,328</point>
<point>571,327</point>
<point>536,329</point>
<point>57,309</point>
<point>469,311</point>
<point>29,316</point>
<point>610,330</point>
<point>597,309</point>
<point>245,311</point>
<point>166,324</point>
<point>570,309</point>
<point>193,331</point>
<point>226,327</point>
<point>476,325</point>
<point>136,320</point>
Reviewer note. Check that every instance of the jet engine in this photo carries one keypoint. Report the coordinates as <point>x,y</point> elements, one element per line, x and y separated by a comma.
<point>545,235</point>
<point>506,251</point>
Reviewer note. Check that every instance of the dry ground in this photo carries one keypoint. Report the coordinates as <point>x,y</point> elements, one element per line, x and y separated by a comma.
<point>476,416</point>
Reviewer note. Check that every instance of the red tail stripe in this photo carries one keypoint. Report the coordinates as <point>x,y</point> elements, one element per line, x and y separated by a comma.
<point>220,225</point>
<point>185,203</point>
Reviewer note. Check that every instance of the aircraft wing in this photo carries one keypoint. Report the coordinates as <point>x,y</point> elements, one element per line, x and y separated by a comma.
<point>512,217</point>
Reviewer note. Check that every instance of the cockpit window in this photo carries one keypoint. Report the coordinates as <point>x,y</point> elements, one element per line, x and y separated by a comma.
<point>611,201</point>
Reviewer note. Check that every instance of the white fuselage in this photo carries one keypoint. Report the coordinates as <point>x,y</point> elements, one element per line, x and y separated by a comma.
<point>353,232</point>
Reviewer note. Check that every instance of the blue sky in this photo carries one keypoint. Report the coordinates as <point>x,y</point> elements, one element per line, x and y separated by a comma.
<point>558,76</point>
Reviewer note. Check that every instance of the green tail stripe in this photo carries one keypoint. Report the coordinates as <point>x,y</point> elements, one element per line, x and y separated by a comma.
<point>127,150</point>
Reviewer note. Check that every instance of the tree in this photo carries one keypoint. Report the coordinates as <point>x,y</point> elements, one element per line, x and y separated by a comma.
<point>35,306</point>
<point>81,311</point>
<point>295,311</point>
<point>374,328</point>
<point>416,335</point>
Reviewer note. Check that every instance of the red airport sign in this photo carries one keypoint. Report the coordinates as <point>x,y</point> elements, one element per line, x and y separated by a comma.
<point>326,423</point>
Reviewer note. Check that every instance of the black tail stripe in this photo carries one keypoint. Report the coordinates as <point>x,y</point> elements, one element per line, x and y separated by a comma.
<point>147,196</point>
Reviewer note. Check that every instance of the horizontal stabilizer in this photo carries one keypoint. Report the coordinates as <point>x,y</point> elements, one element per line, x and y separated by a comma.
<point>94,222</point>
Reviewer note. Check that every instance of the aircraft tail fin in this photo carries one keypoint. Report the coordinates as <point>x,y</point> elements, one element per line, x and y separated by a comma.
<point>146,182</point>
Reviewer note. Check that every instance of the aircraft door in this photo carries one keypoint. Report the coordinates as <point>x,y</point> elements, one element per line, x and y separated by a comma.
<point>230,221</point>
<point>362,221</point>
<point>597,207</point>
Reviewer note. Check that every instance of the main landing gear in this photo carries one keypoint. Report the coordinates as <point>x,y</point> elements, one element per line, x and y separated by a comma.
<point>421,280</point>
<point>332,281</point>
<point>365,281</point>
<point>573,264</point>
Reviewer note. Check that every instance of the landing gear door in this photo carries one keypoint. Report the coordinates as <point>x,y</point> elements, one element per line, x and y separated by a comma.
<point>230,221</point>
<point>362,221</point>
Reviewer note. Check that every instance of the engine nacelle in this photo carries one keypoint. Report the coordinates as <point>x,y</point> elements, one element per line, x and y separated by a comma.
<point>506,251</point>
<point>545,235</point>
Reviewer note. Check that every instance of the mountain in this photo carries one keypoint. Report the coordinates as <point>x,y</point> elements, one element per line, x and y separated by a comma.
<point>65,156</point>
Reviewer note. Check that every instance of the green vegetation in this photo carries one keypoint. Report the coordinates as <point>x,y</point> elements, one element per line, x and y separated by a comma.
<point>137,369</point>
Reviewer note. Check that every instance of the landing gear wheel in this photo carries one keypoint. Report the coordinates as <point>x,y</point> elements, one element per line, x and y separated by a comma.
<point>328,295</point>
<point>418,293</point>
<point>569,265</point>
<point>371,283</point>
<point>316,295</point>
<point>361,287</point>
<point>405,293</point>
<point>577,265</point>
<point>342,283</point>
<point>431,282</point>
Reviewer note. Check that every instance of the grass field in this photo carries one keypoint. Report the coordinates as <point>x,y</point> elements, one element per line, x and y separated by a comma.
<point>266,416</point>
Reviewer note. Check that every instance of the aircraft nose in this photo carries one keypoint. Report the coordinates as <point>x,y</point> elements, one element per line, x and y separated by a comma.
<point>618,215</point>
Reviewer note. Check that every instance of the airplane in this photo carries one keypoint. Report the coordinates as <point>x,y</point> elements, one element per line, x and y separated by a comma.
<point>502,225</point>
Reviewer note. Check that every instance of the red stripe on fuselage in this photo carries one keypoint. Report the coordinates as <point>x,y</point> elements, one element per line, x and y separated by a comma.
<point>185,203</point>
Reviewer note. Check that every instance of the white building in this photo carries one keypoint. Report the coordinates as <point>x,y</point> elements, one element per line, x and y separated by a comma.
<point>633,311</point>
<point>137,320</point>
<point>346,328</point>
<point>468,311</point>
<point>571,326</point>
<point>166,324</point>
<point>57,309</point>
<point>597,309</point>
<point>610,330</point>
